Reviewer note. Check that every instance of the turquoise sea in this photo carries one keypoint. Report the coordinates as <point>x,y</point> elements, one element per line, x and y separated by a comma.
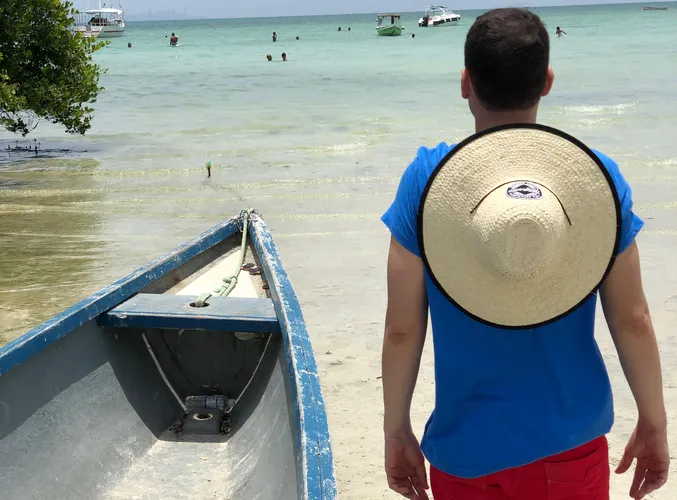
<point>317,143</point>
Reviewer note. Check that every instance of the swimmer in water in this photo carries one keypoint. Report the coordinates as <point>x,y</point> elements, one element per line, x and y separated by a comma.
<point>173,40</point>
<point>284,57</point>
<point>269,57</point>
<point>559,32</point>
<point>274,37</point>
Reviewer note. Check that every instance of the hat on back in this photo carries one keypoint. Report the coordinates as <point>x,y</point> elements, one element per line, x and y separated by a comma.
<point>518,225</point>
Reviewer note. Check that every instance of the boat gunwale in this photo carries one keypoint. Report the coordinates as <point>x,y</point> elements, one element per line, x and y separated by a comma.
<point>312,435</point>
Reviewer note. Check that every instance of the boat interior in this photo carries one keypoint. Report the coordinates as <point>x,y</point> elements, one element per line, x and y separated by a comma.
<point>157,398</point>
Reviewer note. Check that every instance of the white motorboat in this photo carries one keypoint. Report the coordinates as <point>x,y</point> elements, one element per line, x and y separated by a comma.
<point>437,15</point>
<point>104,22</point>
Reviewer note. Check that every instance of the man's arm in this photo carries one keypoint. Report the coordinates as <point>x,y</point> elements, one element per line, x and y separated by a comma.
<point>405,330</point>
<point>627,314</point>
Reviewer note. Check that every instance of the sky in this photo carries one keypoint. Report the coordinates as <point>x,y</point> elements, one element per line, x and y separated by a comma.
<point>176,9</point>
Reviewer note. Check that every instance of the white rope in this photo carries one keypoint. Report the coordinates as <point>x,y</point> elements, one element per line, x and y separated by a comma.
<point>162,373</point>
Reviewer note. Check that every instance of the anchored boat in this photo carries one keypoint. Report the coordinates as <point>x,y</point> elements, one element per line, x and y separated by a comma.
<point>393,29</point>
<point>103,22</point>
<point>438,15</point>
<point>193,377</point>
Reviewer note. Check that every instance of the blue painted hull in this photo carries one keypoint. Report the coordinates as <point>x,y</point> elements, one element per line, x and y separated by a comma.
<point>95,402</point>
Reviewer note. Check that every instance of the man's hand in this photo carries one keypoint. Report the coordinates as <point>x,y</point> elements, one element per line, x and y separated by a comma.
<point>405,466</point>
<point>650,447</point>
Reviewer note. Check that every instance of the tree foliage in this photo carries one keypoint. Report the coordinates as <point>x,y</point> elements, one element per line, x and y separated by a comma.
<point>46,71</point>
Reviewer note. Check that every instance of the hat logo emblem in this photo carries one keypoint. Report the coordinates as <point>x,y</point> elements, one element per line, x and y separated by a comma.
<point>524,190</point>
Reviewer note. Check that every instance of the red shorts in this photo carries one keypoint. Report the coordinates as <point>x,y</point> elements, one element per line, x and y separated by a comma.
<point>578,474</point>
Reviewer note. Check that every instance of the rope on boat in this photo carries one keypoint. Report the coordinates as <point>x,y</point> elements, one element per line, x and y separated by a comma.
<point>162,373</point>
<point>229,282</point>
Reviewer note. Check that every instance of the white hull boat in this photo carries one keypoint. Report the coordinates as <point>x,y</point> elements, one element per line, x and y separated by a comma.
<point>438,15</point>
<point>101,32</point>
<point>104,22</point>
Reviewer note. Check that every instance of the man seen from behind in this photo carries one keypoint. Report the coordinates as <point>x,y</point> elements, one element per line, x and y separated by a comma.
<point>519,414</point>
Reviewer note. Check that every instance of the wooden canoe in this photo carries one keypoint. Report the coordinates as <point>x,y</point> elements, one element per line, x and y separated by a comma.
<point>136,393</point>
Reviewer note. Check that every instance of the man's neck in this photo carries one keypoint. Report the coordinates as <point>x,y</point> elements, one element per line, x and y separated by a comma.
<point>488,119</point>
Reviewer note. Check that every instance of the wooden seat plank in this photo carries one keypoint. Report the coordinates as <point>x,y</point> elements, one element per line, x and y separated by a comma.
<point>227,314</point>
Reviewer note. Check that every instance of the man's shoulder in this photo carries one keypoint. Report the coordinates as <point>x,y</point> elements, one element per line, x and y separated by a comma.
<point>431,157</point>
<point>428,158</point>
<point>606,160</point>
<point>401,217</point>
<point>610,165</point>
<point>426,161</point>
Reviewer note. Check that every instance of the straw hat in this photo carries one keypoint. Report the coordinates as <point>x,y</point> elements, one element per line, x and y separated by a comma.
<point>519,225</point>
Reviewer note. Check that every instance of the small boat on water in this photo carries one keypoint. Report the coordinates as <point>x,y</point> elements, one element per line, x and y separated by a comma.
<point>393,29</point>
<point>192,377</point>
<point>104,22</point>
<point>654,8</point>
<point>438,15</point>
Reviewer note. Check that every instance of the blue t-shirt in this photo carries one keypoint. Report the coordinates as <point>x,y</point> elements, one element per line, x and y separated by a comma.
<point>507,398</point>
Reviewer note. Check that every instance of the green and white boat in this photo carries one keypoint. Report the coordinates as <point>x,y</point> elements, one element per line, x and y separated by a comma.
<point>393,29</point>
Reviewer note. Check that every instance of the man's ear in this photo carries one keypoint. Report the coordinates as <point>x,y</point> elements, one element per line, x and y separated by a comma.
<point>549,79</point>
<point>466,86</point>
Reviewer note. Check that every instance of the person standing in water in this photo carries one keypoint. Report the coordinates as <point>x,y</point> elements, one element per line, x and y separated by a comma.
<point>274,36</point>
<point>173,40</point>
<point>559,32</point>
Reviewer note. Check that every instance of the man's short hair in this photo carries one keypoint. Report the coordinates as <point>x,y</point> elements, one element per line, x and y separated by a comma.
<point>507,54</point>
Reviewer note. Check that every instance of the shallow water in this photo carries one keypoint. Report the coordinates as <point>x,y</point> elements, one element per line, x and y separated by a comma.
<point>317,144</point>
